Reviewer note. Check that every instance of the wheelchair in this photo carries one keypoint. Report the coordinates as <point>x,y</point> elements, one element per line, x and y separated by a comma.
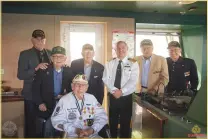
<point>104,132</point>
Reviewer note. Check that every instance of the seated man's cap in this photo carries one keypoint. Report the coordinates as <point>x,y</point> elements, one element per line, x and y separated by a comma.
<point>58,50</point>
<point>38,33</point>
<point>146,42</point>
<point>80,78</point>
<point>87,47</point>
<point>174,44</point>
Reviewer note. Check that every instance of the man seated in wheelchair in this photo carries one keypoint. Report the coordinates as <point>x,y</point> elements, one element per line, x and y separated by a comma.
<point>78,113</point>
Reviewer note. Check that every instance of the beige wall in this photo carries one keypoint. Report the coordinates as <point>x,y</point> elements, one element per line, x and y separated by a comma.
<point>17,30</point>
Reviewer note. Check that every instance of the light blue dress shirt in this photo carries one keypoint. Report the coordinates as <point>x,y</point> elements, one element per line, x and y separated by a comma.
<point>145,71</point>
<point>87,71</point>
<point>57,78</point>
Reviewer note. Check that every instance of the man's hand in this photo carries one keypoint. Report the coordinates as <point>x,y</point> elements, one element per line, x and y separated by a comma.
<point>42,107</point>
<point>41,66</point>
<point>152,91</point>
<point>88,132</point>
<point>117,94</point>
<point>79,132</point>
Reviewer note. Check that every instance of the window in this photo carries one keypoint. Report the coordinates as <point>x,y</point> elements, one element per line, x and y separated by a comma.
<point>160,41</point>
<point>77,40</point>
<point>75,35</point>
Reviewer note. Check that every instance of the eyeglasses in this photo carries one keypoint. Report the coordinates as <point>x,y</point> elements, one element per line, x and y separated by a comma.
<point>58,57</point>
<point>79,85</point>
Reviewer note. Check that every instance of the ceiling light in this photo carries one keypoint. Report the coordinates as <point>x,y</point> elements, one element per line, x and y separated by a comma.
<point>182,2</point>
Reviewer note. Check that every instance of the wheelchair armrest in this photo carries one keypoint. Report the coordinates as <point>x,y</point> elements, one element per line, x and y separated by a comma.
<point>105,132</point>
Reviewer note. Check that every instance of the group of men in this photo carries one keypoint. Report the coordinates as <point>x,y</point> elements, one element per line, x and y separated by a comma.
<point>70,98</point>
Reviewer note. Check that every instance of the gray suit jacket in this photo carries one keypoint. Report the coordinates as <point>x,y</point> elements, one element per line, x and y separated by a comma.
<point>28,61</point>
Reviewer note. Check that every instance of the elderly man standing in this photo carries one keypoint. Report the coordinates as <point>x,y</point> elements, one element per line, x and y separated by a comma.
<point>120,76</point>
<point>78,113</point>
<point>92,69</point>
<point>48,87</point>
<point>182,71</point>
<point>154,70</point>
<point>30,61</point>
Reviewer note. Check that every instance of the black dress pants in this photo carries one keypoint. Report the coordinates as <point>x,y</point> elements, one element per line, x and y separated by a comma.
<point>120,111</point>
<point>29,128</point>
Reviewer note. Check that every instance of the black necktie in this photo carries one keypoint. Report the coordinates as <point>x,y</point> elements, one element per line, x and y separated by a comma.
<point>117,82</point>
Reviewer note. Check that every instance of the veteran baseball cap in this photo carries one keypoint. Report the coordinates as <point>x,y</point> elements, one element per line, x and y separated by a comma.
<point>38,33</point>
<point>87,47</point>
<point>58,50</point>
<point>80,78</point>
<point>174,44</point>
<point>146,42</point>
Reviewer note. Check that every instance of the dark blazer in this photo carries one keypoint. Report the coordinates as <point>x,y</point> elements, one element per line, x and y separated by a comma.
<point>181,73</point>
<point>43,89</point>
<point>28,61</point>
<point>96,86</point>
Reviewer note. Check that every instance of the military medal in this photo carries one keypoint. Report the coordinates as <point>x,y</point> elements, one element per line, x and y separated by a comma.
<point>80,118</point>
<point>84,111</point>
<point>85,123</point>
<point>92,110</point>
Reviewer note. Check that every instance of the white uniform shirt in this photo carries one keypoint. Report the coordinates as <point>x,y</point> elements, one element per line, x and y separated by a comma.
<point>129,77</point>
<point>66,116</point>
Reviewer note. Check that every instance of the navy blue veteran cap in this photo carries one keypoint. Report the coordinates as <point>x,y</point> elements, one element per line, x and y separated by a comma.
<point>38,33</point>
<point>174,44</point>
<point>146,42</point>
<point>58,50</point>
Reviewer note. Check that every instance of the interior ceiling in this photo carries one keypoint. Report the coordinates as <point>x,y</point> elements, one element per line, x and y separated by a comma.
<point>170,7</point>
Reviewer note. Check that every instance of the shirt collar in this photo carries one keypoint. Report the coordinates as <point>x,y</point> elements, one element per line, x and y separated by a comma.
<point>124,60</point>
<point>88,65</point>
<point>58,70</point>
<point>147,59</point>
<point>38,51</point>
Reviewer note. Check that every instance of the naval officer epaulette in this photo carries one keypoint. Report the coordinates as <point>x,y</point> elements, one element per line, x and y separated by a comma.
<point>132,60</point>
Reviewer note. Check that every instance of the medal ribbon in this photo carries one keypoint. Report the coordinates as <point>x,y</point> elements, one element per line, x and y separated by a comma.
<point>77,103</point>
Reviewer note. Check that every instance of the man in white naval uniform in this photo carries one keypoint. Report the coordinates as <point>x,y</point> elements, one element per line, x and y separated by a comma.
<point>79,114</point>
<point>120,76</point>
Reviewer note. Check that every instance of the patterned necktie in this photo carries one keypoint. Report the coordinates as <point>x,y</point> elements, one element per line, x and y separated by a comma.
<point>117,82</point>
<point>41,56</point>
